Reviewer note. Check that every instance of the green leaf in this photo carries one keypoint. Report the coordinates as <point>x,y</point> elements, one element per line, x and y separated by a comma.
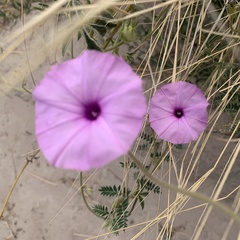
<point>101,211</point>
<point>141,201</point>
<point>110,191</point>
<point>144,194</point>
<point>38,8</point>
<point>148,185</point>
<point>121,218</point>
<point>100,26</point>
<point>131,165</point>
<point>178,146</point>
<point>2,14</point>
<point>96,36</point>
<point>44,5</point>
<point>91,43</point>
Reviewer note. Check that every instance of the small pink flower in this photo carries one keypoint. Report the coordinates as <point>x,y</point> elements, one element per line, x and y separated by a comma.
<point>178,112</point>
<point>89,111</point>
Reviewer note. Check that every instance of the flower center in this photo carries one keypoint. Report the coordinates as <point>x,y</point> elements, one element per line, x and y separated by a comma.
<point>92,111</point>
<point>178,113</point>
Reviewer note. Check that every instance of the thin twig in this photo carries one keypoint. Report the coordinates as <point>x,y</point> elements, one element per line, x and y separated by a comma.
<point>28,160</point>
<point>41,178</point>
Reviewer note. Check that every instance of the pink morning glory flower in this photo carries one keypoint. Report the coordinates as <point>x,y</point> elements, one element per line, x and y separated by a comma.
<point>178,112</point>
<point>89,111</point>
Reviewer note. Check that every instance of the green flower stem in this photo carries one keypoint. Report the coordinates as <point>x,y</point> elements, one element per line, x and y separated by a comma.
<point>114,47</point>
<point>84,198</point>
<point>15,182</point>
<point>195,195</point>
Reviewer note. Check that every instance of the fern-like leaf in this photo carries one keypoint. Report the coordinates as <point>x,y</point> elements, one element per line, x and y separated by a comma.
<point>101,211</point>
<point>121,216</point>
<point>110,191</point>
<point>148,185</point>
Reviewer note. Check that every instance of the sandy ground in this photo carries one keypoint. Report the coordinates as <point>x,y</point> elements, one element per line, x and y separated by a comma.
<point>46,203</point>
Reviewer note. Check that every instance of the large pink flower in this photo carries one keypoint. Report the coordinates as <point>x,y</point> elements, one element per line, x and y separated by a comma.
<point>89,111</point>
<point>178,112</point>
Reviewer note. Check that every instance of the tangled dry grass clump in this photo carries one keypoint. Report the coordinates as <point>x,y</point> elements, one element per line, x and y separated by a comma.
<point>164,41</point>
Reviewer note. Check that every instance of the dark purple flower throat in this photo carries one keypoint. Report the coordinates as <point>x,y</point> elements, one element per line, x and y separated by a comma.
<point>178,112</point>
<point>92,111</point>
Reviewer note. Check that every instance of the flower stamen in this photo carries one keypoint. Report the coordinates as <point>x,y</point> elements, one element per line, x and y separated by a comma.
<point>178,113</point>
<point>92,111</point>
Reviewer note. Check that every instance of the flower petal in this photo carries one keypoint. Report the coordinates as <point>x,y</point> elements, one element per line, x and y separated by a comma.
<point>163,127</point>
<point>109,141</point>
<point>49,117</point>
<point>192,97</point>
<point>197,120</point>
<point>55,92</point>
<point>108,73</point>
<point>116,76</point>
<point>126,103</point>
<point>163,95</point>
<point>56,141</point>
<point>156,113</point>
<point>93,146</point>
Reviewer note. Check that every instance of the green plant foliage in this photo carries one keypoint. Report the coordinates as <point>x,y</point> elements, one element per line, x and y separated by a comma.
<point>41,6</point>
<point>147,137</point>
<point>91,42</point>
<point>130,165</point>
<point>102,25</point>
<point>147,140</point>
<point>2,14</point>
<point>140,197</point>
<point>110,191</point>
<point>101,211</point>
<point>117,218</point>
<point>11,10</point>
<point>178,146</point>
<point>234,104</point>
<point>148,185</point>
<point>155,155</point>
<point>93,33</point>
<point>26,5</point>
<point>121,214</point>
